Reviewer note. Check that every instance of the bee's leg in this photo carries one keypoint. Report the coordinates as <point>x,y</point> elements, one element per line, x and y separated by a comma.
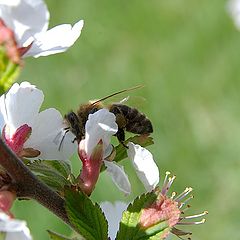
<point>121,136</point>
<point>75,139</point>
<point>61,142</point>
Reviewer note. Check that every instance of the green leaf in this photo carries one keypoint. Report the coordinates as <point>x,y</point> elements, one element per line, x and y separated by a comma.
<point>87,217</point>
<point>9,71</point>
<point>56,236</point>
<point>56,174</point>
<point>129,225</point>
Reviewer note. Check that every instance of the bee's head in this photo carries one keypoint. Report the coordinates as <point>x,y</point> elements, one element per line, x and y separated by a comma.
<point>72,121</point>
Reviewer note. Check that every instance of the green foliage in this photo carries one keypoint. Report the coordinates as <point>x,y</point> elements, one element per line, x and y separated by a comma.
<point>2,236</point>
<point>56,236</point>
<point>87,217</point>
<point>9,71</point>
<point>56,174</point>
<point>129,226</point>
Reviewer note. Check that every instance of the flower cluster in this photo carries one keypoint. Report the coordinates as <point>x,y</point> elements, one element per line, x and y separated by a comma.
<point>28,20</point>
<point>28,132</point>
<point>30,136</point>
<point>100,127</point>
<point>169,211</point>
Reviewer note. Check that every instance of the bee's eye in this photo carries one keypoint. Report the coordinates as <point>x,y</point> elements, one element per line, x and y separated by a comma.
<point>71,117</point>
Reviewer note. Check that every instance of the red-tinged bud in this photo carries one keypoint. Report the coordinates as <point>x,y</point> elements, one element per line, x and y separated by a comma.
<point>169,212</point>
<point>91,166</point>
<point>6,200</point>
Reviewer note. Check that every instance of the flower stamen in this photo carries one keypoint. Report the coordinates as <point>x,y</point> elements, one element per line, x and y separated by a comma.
<point>183,194</point>
<point>192,223</point>
<point>196,215</point>
<point>187,200</point>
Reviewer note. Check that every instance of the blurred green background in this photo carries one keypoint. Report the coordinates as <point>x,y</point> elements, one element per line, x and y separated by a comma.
<point>187,55</point>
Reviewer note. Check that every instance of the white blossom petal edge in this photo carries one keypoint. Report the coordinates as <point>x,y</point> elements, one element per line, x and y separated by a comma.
<point>21,106</point>
<point>14,229</point>
<point>113,213</point>
<point>29,20</point>
<point>118,175</point>
<point>233,7</point>
<point>100,125</point>
<point>144,164</point>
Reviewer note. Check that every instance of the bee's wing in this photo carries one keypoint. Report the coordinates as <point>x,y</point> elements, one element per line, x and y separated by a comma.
<point>118,98</point>
<point>132,101</point>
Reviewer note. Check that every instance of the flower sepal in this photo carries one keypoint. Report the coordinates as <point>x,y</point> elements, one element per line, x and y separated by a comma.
<point>91,165</point>
<point>130,225</point>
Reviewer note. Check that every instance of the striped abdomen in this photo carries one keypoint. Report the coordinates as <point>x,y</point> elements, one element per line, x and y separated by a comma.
<point>130,119</point>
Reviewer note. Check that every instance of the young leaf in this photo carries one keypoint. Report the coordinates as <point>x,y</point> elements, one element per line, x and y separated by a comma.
<point>56,174</point>
<point>87,217</point>
<point>129,226</point>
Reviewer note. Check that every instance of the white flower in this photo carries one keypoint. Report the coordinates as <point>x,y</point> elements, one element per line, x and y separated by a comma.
<point>19,111</point>
<point>13,228</point>
<point>29,21</point>
<point>113,214</point>
<point>144,164</point>
<point>233,8</point>
<point>101,125</point>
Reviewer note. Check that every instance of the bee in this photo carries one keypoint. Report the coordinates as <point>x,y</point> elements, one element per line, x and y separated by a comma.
<point>127,118</point>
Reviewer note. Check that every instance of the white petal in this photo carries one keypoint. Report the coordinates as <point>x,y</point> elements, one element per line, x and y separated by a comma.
<point>144,164</point>
<point>22,104</point>
<point>45,129</point>
<point>113,213</point>
<point>10,2</point>
<point>14,228</point>
<point>26,19</point>
<point>55,40</point>
<point>118,175</point>
<point>3,115</point>
<point>233,8</point>
<point>100,125</point>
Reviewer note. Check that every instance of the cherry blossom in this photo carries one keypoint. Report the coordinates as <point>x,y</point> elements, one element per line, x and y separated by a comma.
<point>31,133</point>
<point>99,129</point>
<point>29,20</point>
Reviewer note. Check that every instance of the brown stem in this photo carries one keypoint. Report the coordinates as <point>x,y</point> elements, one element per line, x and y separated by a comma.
<point>28,186</point>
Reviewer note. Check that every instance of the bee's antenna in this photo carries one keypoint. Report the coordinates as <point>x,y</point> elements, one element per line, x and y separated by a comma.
<point>116,93</point>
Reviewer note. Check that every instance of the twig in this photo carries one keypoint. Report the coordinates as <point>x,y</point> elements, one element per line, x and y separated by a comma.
<point>27,185</point>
